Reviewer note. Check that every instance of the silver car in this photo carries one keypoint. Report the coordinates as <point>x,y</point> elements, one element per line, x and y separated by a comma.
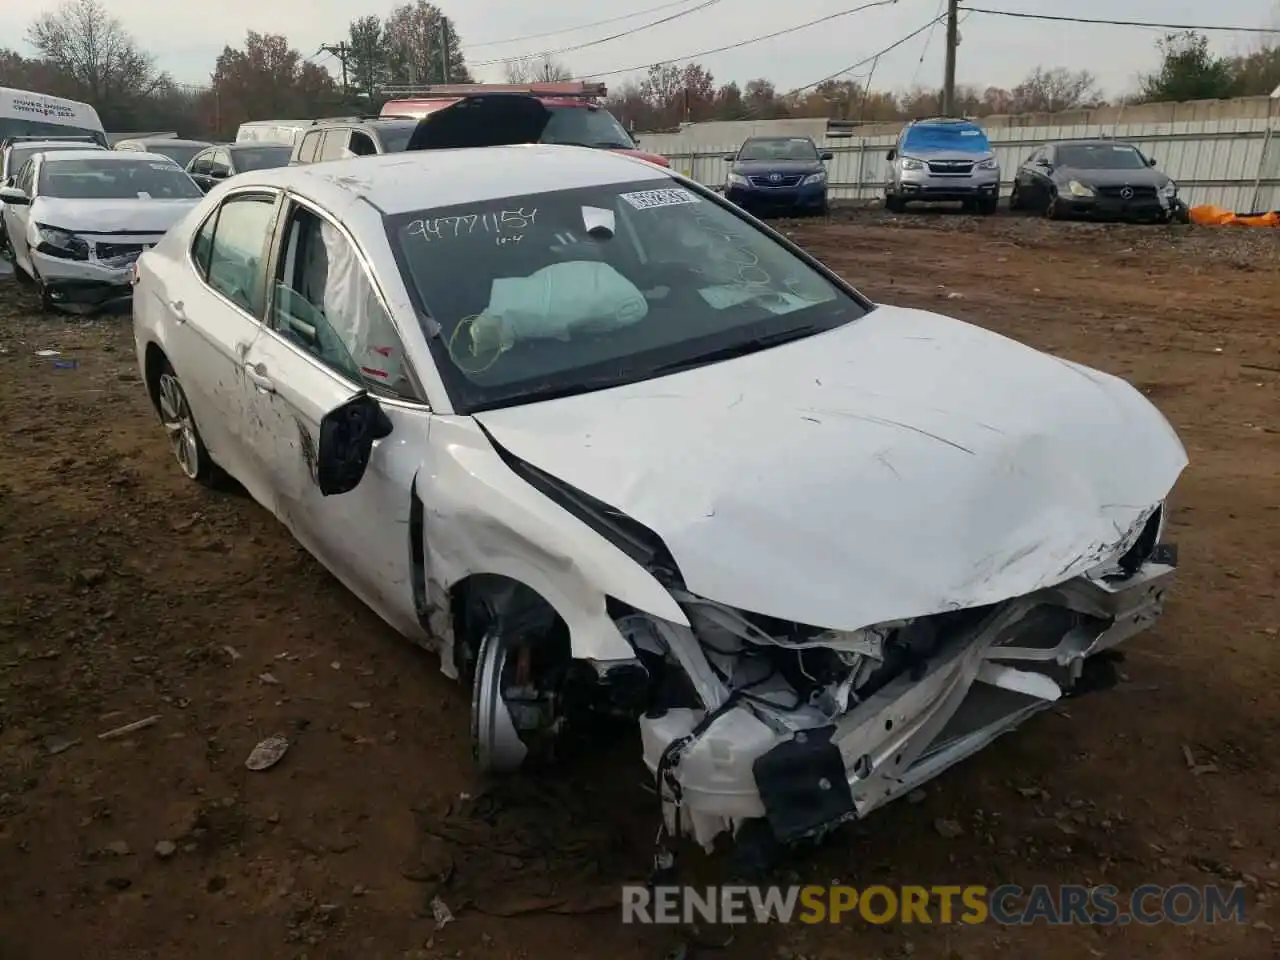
<point>941,160</point>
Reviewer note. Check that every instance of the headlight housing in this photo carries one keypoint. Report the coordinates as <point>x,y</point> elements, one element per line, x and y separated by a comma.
<point>1078,189</point>
<point>1169,190</point>
<point>737,180</point>
<point>911,163</point>
<point>819,177</point>
<point>56,242</point>
<point>991,163</point>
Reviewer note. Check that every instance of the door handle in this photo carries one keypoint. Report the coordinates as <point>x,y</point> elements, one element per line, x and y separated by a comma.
<point>176,307</point>
<point>259,379</point>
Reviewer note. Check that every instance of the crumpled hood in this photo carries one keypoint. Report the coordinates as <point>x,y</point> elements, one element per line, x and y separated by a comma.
<point>110,216</point>
<point>901,465</point>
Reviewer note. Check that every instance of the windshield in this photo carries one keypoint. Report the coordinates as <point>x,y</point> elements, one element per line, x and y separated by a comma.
<point>20,155</point>
<point>1100,156</point>
<point>13,127</point>
<point>955,137</point>
<point>531,297</point>
<point>778,150</point>
<point>179,153</point>
<point>116,179</point>
<point>261,158</point>
<point>587,127</point>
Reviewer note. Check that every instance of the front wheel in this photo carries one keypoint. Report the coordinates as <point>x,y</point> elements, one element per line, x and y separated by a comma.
<point>1015,201</point>
<point>894,204</point>
<point>988,206</point>
<point>1052,210</point>
<point>180,426</point>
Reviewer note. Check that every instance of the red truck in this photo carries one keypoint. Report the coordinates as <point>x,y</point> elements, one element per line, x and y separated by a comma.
<point>497,114</point>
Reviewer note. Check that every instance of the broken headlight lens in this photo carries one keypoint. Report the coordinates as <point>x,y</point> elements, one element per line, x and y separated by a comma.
<point>1078,189</point>
<point>61,243</point>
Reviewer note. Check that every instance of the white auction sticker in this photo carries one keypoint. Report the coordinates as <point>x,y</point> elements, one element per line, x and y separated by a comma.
<point>648,199</point>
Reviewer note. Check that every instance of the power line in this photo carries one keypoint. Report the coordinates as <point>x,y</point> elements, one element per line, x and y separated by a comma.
<point>1202,28</point>
<point>583,26</point>
<point>600,40</point>
<point>928,39</point>
<point>740,43</point>
<point>865,60</point>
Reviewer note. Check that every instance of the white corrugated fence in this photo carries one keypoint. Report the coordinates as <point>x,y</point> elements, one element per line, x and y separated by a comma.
<point>1233,163</point>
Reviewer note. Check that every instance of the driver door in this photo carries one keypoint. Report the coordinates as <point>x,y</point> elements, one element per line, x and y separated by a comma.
<point>337,417</point>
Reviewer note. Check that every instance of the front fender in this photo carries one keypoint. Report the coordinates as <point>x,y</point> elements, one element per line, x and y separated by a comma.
<point>480,517</point>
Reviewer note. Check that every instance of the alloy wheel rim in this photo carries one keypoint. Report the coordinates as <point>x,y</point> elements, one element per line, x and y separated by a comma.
<point>175,414</point>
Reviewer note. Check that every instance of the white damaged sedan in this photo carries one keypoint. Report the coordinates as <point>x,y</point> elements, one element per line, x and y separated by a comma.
<point>607,443</point>
<point>76,220</point>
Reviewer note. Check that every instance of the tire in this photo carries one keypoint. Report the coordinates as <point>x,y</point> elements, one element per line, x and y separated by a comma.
<point>184,436</point>
<point>988,207</point>
<point>42,291</point>
<point>894,204</point>
<point>1051,210</point>
<point>1015,201</point>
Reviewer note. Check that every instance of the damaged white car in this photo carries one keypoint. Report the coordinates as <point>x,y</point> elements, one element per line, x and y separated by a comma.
<point>76,220</point>
<point>608,443</point>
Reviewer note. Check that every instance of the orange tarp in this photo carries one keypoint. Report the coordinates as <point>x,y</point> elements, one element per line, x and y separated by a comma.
<point>1211,216</point>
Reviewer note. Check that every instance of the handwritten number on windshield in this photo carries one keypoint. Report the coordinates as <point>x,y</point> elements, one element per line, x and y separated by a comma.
<point>493,223</point>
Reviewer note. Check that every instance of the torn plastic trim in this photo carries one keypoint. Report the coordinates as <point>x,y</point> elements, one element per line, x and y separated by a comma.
<point>903,734</point>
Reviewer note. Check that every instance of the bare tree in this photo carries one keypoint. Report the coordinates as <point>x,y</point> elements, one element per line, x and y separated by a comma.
<point>542,69</point>
<point>1048,91</point>
<point>81,40</point>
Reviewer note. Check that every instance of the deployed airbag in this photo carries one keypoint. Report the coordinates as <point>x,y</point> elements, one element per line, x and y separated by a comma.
<point>582,296</point>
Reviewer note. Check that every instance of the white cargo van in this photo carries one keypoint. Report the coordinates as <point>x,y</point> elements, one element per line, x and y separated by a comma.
<point>24,113</point>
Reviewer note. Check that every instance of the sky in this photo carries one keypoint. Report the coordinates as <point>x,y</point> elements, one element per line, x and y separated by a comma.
<point>993,50</point>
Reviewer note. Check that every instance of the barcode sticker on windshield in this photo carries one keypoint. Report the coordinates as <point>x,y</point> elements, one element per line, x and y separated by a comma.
<point>163,166</point>
<point>648,199</point>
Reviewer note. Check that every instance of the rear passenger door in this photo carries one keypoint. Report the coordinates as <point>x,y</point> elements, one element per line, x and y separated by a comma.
<point>334,144</point>
<point>217,314</point>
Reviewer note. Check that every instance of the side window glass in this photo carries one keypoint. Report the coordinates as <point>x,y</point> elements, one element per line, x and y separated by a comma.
<point>239,247</point>
<point>202,246</point>
<point>27,178</point>
<point>362,145</point>
<point>310,147</point>
<point>325,304</point>
<point>220,163</point>
<point>201,163</point>
<point>335,145</point>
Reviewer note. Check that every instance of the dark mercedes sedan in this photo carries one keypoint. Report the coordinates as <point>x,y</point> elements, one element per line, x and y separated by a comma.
<point>1104,179</point>
<point>778,175</point>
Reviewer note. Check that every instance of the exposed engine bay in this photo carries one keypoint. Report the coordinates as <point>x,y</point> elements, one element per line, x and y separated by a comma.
<point>746,719</point>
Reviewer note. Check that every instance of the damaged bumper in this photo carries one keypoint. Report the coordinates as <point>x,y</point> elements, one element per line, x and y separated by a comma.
<point>804,767</point>
<point>89,282</point>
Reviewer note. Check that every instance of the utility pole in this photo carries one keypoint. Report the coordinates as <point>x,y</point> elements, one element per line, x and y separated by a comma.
<point>953,41</point>
<point>445,49</point>
<point>340,51</point>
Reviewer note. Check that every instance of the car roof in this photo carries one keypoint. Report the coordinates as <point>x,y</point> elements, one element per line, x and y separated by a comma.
<point>253,145</point>
<point>54,142</point>
<point>1089,142</point>
<point>107,156</point>
<point>425,179</point>
<point>164,140</point>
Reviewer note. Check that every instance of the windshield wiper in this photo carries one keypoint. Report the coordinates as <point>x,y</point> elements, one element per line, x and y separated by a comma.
<point>740,349</point>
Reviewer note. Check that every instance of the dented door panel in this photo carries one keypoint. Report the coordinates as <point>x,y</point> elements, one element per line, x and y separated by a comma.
<point>362,535</point>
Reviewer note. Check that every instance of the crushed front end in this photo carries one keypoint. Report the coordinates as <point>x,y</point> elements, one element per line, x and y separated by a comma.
<point>802,728</point>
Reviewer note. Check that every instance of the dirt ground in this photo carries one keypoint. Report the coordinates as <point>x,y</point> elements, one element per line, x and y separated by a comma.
<point>129,593</point>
